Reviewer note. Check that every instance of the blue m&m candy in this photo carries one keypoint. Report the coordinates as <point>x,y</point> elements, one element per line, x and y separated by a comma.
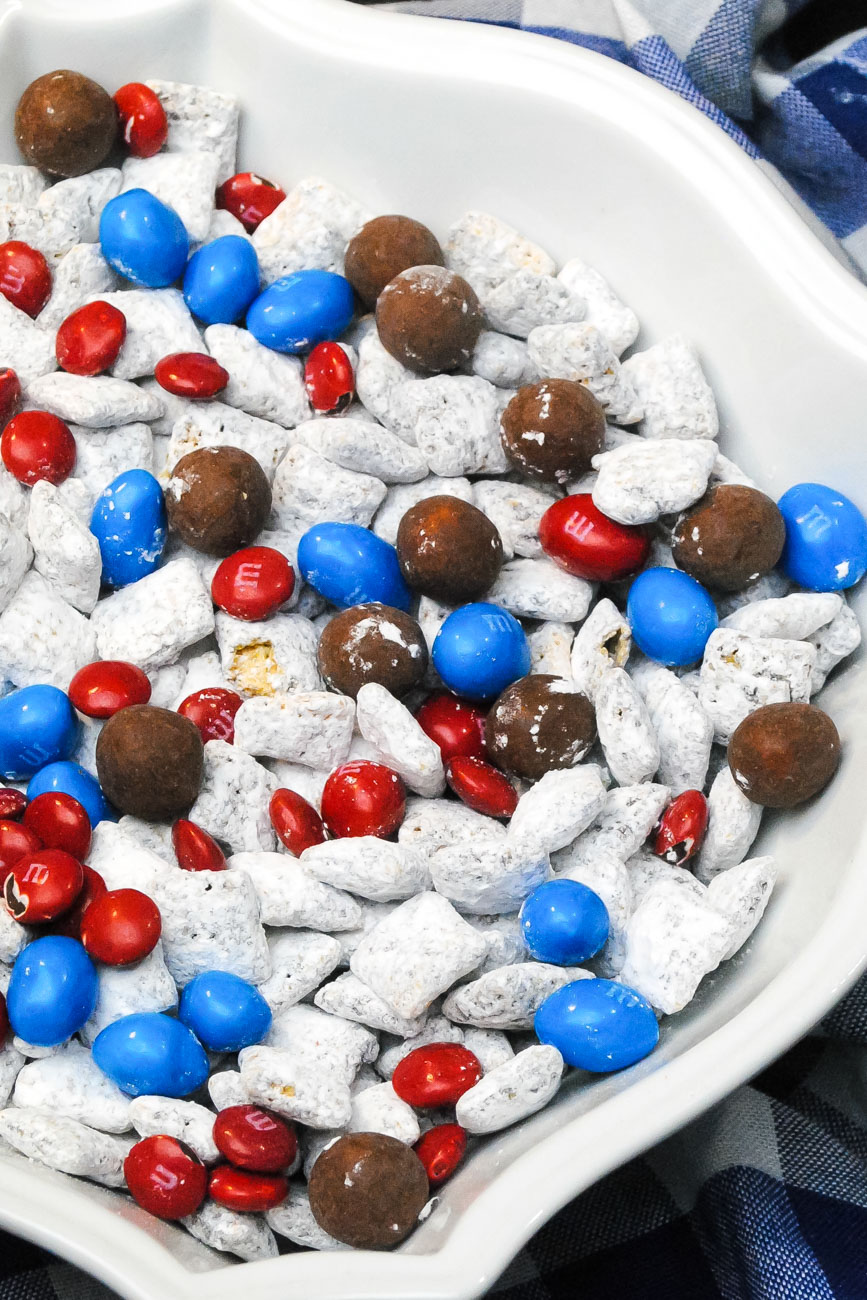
<point>671,616</point>
<point>52,991</point>
<point>221,280</point>
<point>224,1011</point>
<point>38,725</point>
<point>143,239</point>
<point>129,522</point>
<point>150,1054</point>
<point>350,565</point>
<point>826,538</point>
<point>598,1025</point>
<point>301,310</point>
<point>564,922</point>
<point>71,778</point>
<point>480,650</point>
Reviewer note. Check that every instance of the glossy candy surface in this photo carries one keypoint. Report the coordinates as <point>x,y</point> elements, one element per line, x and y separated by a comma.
<point>481,787</point>
<point>441,1149</point>
<point>826,538</point>
<point>90,339</point>
<point>253,583</point>
<point>42,885</point>
<point>52,991</point>
<point>300,310</point>
<point>101,689</point>
<point>194,848</point>
<point>249,197</point>
<point>255,1139</point>
<point>151,1054</point>
<point>193,375</point>
<point>25,279</point>
<point>681,828</point>
<point>70,922</point>
<point>436,1074</point>
<point>480,650</point>
<point>142,123</point>
<point>584,542</point>
<point>16,841</point>
<point>224,1011</point>
<point>671,616</point>
<point>37,726</point>
<point>247,1192</point>
<point>37,445</point>
<point>10,394</point>
<point>60,822</point>
<point>597,1025</point>
<point>120,927</point>
<point>563,922</point>
<point>165,1177</point>
<point>457,726</point>
<point>129,522</point>
<point>329,378</point>
<point>297,823</point>
<point>350,565</point>
<point>73,779</point>
<point>12,803</point>
<point>221,280</point>
<point>143,239</point>
<point>363,798</point>
<point>213,712</point>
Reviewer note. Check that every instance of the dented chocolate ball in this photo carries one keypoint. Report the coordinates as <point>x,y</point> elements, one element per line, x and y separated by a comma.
<point>552,430</point>
<point>65,123</point>
<point>783,754</point>
<point>372,643</point>
<point>429,319</point>
<point>367,1190</point>
<point>730,537</point>
<point>218,499</point>
<point>539,724</point>
<point>448,549</point>
<point>149,762</point>
<point>383,248</point>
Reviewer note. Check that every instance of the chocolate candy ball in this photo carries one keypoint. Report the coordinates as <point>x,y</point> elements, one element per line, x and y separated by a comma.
<point>429,319</point>
<point>539,725</point>
<point>782,754</point>
<point>368,1190</point>
<point>218,499</point>
<point>552,429</point>
<point>385,247</point>
<point>372,643</point>
<point>730,537</point>
<point>149,762</point>
<point>65,123</point>
<point>448,549</point>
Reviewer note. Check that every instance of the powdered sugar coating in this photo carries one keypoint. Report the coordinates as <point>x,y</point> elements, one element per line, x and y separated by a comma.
<point>582,353</point>
<point>559,807</point>
<point>300,961</point>
<point>309,727</point>
<point>21,338</point>
<point>485,876</point>
<point>290,895</point>
<point>350,997</point>
<point>370,867</point>
<point>626,732</point>
<point>186,1121</point>
<point>511,1091</point>
<point>271,658</point>
<point>399,740</point>
<point>641,481</point>
<point>733,823</point>
<point>233,799</point>
<point>509,998</point>
<point>262,382</point>
<point>71,1085</point>
<point>613,318</point>
<point>308,230</point>
<point>741,673</point>
<point>528,299</point>
<point>150,622</point>
<point>245,1235</point>
<point>539,589</point>
<point>65,1144</point>
<point>200,119</point>
<point>603,642</point>
<point>677,399</point>
<point>42,638</point>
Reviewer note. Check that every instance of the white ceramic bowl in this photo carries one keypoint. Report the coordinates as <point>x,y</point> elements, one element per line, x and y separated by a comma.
<point>430,118</point>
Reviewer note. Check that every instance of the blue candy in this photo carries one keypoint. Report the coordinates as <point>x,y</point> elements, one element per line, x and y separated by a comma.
<point>564,922</point>
<point>129,522</point>
<point>71,778</point>
<point>350,565</point>
<point>597,1025</point>
<point>143,240</point>
<point>301,310</point>
<point>221,280</point>
<point>149,1054</point>
<point>671,615</point>
<point>224,1011</point>
<point>826,538</point>
<point>480,650</point>
<point>37,726</point>
<point>52,991</point>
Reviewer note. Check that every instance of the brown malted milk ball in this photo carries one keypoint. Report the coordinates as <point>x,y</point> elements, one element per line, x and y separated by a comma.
<point>448,549</point>
<point>385,247</point>
<point>783,754</point>
<point>65,123</point>
<point>372,643</point>
<point>552,430</point>
<point>149,762</point>
<point>539,724</point>
<point>729,538</point>
<point>429,319</point>
<point>218,500</point>
<point>367,1190</point>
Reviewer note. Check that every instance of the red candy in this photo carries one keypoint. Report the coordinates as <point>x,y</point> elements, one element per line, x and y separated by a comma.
<point>60,822</point>
<point>142,122</point>
<point>250,198</point>
<point>213,712</point>
<point>70,923</point>
<point>42,885</point>
<point>238,1189</point>
<point>456,726</point>
<point>191,375</point>
<point>165,1177</point>
<point>35,445</point>
<point>441,1150</point>
<point>437,1074</point>
<point>194,848</point>
<point>10,395</point>
<point>328,378</point>
<point>15,842</point>
<point>253,583</point>
<point>101,689</point>
<point>297,823</point>
<point>12,803</point>
<point>481,787</point>
<point>89,340</point>
<point>363,798</point>
<point>583,541</point>
<point>121,926</point>
<point>254,1139</point>
<point>24,276</point>
<point>681,828</point>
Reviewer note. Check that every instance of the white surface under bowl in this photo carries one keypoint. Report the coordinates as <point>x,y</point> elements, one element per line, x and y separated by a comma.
<point>586,157</point>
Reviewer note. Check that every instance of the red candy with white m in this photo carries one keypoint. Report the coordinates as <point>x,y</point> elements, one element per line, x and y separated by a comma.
<point>42,885</point>
<point>254,1139</point>
<point>213,711</point>
<point>253,583</point>
<point>165,1177</point>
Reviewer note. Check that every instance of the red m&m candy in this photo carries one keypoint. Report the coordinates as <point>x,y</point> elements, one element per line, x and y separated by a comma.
<point>12,803</point>
<point>583,541</point>
<point>481,787</point>
<point>142,123</point>
<point>89,340</point>
<point>42,885</point>
<point>441,1150</point>
<point>191,375</point>
<point>254,1139</point>
<point>16,842</point>
<point>102,689</point>
<point>682,827</point>
<point>37,445</point>
<point>457,726</point>
<point>70,922</point>
<point>297,823</point>
<point>213,711</point>
<point>194,848</point>
<point>24,276</point>
<point>10,395</point>
<point>363,798</point>
<point>437,1074</point>
<point>240,1189</point>
<point>60,822</point>
<point>329,379</point>
<point>121,926</point>
<point>250,198</point>
<point>165,1177</point>
<point>253,583</point>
